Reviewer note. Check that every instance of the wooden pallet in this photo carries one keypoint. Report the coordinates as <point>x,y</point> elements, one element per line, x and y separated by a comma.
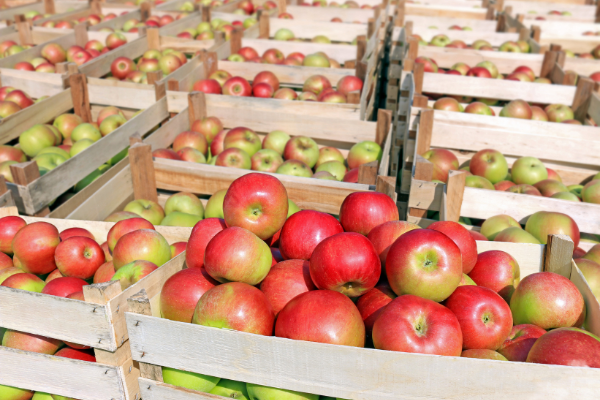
<point>98,322</point>
<point>348,372</point>
<point>203,179</point>
<point>32,192</point>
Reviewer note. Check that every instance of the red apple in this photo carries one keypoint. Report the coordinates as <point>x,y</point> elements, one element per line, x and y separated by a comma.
<point>498,271</point>
<point>372,303</point>
<point>362,211</point>
<point>263,90</point>
<point>461,237</point>
<point>28,342</point>
<point>9,226</point>
<point>236,306</point>
<point>520,340</point>
<point>64,286</point>
<point>384,235</point>
<point>304,230</point>
<point>104,273</point>
<point>479,72</point>
<point>210,86</point>
<point>123,227</point>
<point>443,161</point>
<point>412,324</point>
<point>201,235</point>
<point>544,223</point>
<point>142,244</point>
<point>70,232</point>
<point>316,84</point>
<point>429,64</point>
<point>191,139</point>
<point>19,98</point>
<point>266,77</point>
<point>121,67</point>
<point>248,53</point>
<point>34,246</point>
<point>181,293</point>
<point>566,346</point>
<point>54,53</point>
<point>115,40</point>
<point>322,316</point>
<point>79,257</point>
<point>237,86</point>
<point>209,127</point>
<point>285,281</point>
<point>76,354</point>
<point>273,56</point>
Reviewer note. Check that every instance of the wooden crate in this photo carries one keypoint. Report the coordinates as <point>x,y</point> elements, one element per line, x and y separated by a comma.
<point>530,10</point>
<point>32,192</point>
<point>43,7</point>
<point>348,372</point>
<point>98,322</point>
<point>203,179</point>
<point>458,10</point>
<point>142,14</point>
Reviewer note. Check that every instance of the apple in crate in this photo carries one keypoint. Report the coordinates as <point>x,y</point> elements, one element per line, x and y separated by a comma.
<point>123,227</point>
<point>131,273</point>
<point>497,270</point>
<point>147,209</point>
<point>304,230</point>
<point>34,245</point>
<point>64,286</point>
<point>566,346</point>
<point>201,235</point>
<point>9,226</point>
<point>362,211</point>
<point>142,244</point>
<point>24,281</point>
<point>520,340</point>
<point>79,257</point>
<point>181,293</point>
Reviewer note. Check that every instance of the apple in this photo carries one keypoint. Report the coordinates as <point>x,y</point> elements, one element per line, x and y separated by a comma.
<point>304,230</point>
<point>266,160</point>
<point>307,96</point>
<point>189,380</point>
<point>13,393</point>
<point>105,272</point>
<point>322,316</point>
<point>259,392</point>
<point>489,164</point>
<point>214,206</point>
<point>121,67</point>
<point>496,224</point>
<point>590,192</point>
<point>547,300</point>
<point>142,244</point>
<point>266,77</point>
<point>210,86</point>
<point>429,64</point>
<point>544,223</point>
<point>24,281</point>
<point>54,53</point>
<point>234,157</point>
<point>5,261</point>
<point>85,131</point>
<point>443,161</point>
<point>528,170</point>
<point>220,76</point>
<point>412,324</point>
<point>327,154</point>
<point>559,113</point>
<point>461,237</point>
<point>237,306</point>
<point>517,345</point>
<point>384,235</point>
<point>285,281</point>
<point>479,72</point>
<point>440,40</point>
<point>285,94</point>
<point>208,126</point>
<point>115,40</point>
<point>248,53</point>
<point>29,342</point>
<point>360,212</point>
<point>108,111</point>
<point>9,226</point>
<point>302,148</point>
<point>485,318</point>
<point>167,154</point>
<point>566,346</point>
<point>34,245</point>
<point>363,153</point>
<point>321,39</point>
<point>316,84</point>
<point>510,47</point>
<point>123,227</point>
<point>146,209</point>
<point>75,354</point>
<point>181,293</point>
<point>276,141</point>
<point>131,273</point>
<point>64,286</point>
<point>480,108</point>
<point>19,98</point>
<point>263,90</point>
<point>425,263</point>
<point>524,189</point>
<point>548,187</point>
<point>24,66</point>
<point>148,65</point>
<point>335,169</point>
<point>186,203</point>
<point>120,215</point>
<point>516,235</point>
<point>11,153</point>
<point>517,109</point>
<point>79,257</point>
<point>237,86</point>
<point>295,168</point>
<point>169,63</point>
<point>191,139</point>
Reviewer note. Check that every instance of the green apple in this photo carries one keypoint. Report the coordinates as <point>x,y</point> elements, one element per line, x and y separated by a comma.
<point>130,274</point>
<point>496,224</point>
<point>329,154</point>
<point>146,209</point>
<point>295,168</point>
<point>55,150</point>
<point>186,203</point>
<point>47,162</point>
<point>85,131</point>
<point>516,235</point>
<point>316,60</point>
<point>189,380</point>
<point>576,189</point>
<point>363,153</point>
<point>80,146</point>
<point>42,396</point>
<point>528,170</point>
<point>203,27</point>
<point>215,22</point>
<point>13,393</point>
<point>121,155</point>
<point>292,208</point>
<point>276,140</point>
<point>258,392</point>
<point>36,138</point>
<point>489,164</point>
<point>111,123</point>
<point>248,22</point>
<point>321,39</point>
<point>82,184</point>
<point>335,168</point>
<point>178,218</point>
<point>231,389</point>
<point>284,34</point>
<point>214,207</point>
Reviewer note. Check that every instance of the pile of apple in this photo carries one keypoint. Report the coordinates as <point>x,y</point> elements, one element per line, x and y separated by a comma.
<point>92,19</point>
<point>38,258</point>
<point>359,281</point>
<point>13,100</point>
<point>242,148</point>
<point>285,34</point>
<point>442,40</point>
<point>133,25</point>
<point>207,30</point>
<point>454,28</point>
<point>514,109</point>
<point>266,85</point>
<point>52,144</point>
<point>489,170</point>
<point>54,53</point>
<point>346,4</point>
<point>167,61</point>
<point>275,56</point>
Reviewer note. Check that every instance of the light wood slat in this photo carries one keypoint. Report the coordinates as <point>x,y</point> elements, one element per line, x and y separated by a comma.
<point>152,390</point>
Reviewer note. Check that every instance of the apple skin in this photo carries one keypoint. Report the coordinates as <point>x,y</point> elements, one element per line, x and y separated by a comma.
<point>547,300</point>
<point>181,293</point>
<point>237,255</point>
<point>242,138</point>
<point>13,393</point>
<point>67,233</point>
<point>229,388</point>
<point>79,257</point>
<point>104,273</point>
<point>28,342</point>
<point>64,286</point>
<point>234,158</point>
<point>7,273</point>
<point>360,212</point>
<point>266,160</point>
<point>519,342</point>
<point>214,206</point>
<point>372,303</point>
<point>412,324</point>
<point>316,84</point>
<point>276,141</point>
<point>5,261</point>
<point>429,64</point>
<point>461,237</point>
<point>425,263</point>
<point>266,77</point>
<point>75,354</point>
<point>142,244</point>
<point>131,273</point>
<point>349,84</point>
<point>549,187</point>
<point>286,280</point>
<point>24,281</point>
<point>210,86</point>
<point>123,227</point>
<point>591,273</point>
<point>485,318</point>
<point>147,209</point>
<point>304,230</point>
<point>191,139</point>
<point>258,392</point>
<point>208,126</point>
<point>237,86</point>
<point>384,235</point>
<point>517,109</point>
<point>516,235</point>
<point>528,170</point>
<point>559,113</point>
<point>566,346</point>
<point>492,226</point>
<point>443,161</point>
<point>524,189</point>
<point>189,380</point>
<point>9,226</point>
<point>447,104</point>
<point>258,203</point>
<point>544,223</point>
<point>302,148</point>
<point>237,306</point>
<point>489,164</point>
<point>34,245</point>
<point>347,263</point>
<point>10,153</point>
<point>186,203</point>
<point>483,354</point>
<point>497,271</point>
<point>504,185</point>
<point>201,235</point>
<point>322,316</point>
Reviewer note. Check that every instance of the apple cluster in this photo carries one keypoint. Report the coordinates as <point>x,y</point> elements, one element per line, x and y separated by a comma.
<point>368,279</point>
<point>346,4</point>
<point>266,85</point>
<point>167,61</point>
<point>13,100</point>
<point>488,169</point>
<point>54,53</point>
<point>275,56</point>
<point>241,147</point>
<point>92,19</point>
<point>442,40</point>
<point>154,21</point>
<point>52,144</point>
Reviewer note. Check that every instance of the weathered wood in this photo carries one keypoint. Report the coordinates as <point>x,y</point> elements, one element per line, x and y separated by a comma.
<point>558,255</point>
<point>454,195</point>
<point>153,37</point>
<point>582,98</point>
<point>25,173</point>
<point>384,123</point>
<point>236,40</point>
<point>263,25</point>
<point>142,172</point>
<point>197,106</point>
<point>81,33</point>
<point>80,96</point>
<point>367,173</point>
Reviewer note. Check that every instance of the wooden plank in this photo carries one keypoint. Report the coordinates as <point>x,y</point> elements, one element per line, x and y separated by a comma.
<point>24,174</point>
<point>80,97</point>
<point>367,173</point>
<point>197,106</point>
<point>153,390</point>
<point>142,172</point>
<point>425,132</point>
<point>559,254</point>
<point>140,304</point>
<point>384,123</point>
<point>454,195</point>
<point>346,371</point>
<point>582,98</point>
<point>67,377</point>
